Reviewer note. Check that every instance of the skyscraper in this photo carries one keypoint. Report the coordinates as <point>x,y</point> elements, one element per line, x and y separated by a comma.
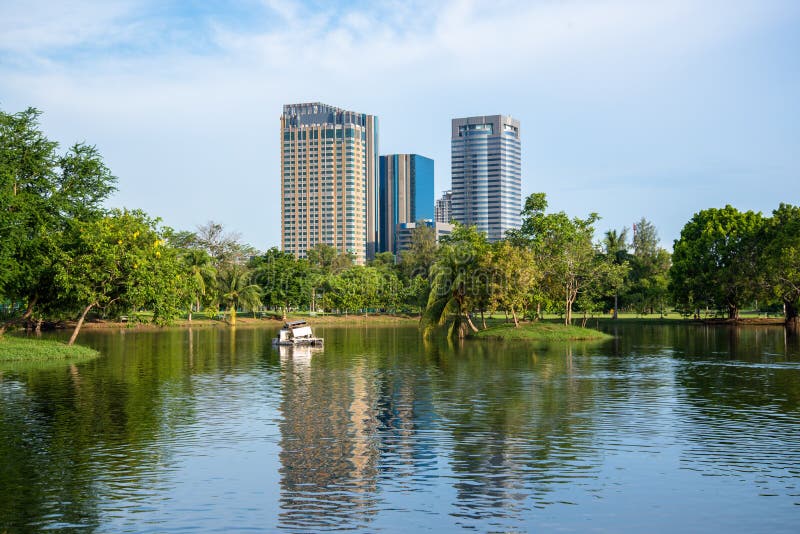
<point>405,194</point>
<point>329,170</point>
<point>443,211</point>
<point>487,174</point>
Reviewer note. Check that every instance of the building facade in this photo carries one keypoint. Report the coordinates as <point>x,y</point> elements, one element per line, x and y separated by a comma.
<point>405,194</point>
<point>443,211</point>
<point>405,230</point>
<point>329,172</point>
<point>487,174</point>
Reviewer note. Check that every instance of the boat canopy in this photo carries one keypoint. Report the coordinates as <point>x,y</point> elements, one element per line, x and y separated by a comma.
<point>302,331</point>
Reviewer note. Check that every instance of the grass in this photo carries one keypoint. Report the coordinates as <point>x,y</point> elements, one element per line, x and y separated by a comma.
<point>540,331</point>
<point>23,349</point>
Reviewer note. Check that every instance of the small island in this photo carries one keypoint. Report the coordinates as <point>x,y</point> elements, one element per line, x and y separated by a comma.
<point>14,348</point>
<point>540,331</point>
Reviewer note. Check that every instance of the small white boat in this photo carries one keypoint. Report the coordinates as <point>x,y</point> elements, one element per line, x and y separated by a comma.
<point>297,333</point>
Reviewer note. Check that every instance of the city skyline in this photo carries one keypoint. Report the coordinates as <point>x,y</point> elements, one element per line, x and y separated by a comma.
<point>630,109</point>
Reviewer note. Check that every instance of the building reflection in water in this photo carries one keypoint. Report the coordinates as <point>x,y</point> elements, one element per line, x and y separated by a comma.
<point>328,453</point>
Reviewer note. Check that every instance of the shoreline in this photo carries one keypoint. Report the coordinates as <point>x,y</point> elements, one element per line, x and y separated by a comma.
<point>389,320</point>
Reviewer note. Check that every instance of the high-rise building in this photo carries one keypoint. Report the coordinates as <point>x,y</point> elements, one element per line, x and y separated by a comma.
<point>405,194</point>
<point>329,171</point>
<point>487,174</point>
<point>405,232</point>
<point>443,211</point>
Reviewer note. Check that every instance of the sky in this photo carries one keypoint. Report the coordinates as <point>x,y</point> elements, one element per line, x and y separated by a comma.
<point>630,109</point>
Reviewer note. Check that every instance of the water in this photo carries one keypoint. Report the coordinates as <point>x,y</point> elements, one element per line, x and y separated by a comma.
<point>663,429</point>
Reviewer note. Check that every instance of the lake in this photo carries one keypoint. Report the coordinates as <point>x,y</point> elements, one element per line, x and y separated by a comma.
<point>662,429</point>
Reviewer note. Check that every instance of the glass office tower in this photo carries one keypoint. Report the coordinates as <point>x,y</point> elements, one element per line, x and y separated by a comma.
<point>329,171</point>
<point>487,174</point>
<point>405,195</point>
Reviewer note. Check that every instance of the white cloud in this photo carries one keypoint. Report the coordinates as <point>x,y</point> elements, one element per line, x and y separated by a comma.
<point>173,115</point>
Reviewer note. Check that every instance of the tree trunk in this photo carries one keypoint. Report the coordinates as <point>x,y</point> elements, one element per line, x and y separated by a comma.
<point>583,322</point>
<point>792,318</point>
<point>38,328</point>
<point>190,314</point>
<point>80,323</point>
<point>28,313</point>
<point>733,311</point>
<point>514,315</point>
<point>483,320</point>
<point>568,314</point>
<point>469,322</point>
<point>538,310</point>
<point>232,309</point>
<point>615,306</point>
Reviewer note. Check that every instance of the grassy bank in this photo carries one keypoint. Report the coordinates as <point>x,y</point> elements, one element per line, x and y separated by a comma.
<point>271,320</point>
<point>540,331</point>
<point>24,349</point>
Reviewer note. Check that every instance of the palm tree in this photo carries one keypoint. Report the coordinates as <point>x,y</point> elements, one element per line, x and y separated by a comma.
<point>616,245</point>
<point>449,296</point>
<point>236,290</point>
<point>202,272</point>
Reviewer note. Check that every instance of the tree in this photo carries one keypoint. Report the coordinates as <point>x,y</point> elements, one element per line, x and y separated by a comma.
<point>202,274</point>
<point>515,275</point>
<point>417,259</point>
<point>325,259</point>
<point>222,245</point>
<point>284,280</point>
<point>236,290</point>
<point>41,194</point>
<point>781,260</point>
<point>563,247</point>
<point>615,245</point>
<point>716,260</point>
<point>455,281</point>
<point>645,239</point>
<point>118,262</point>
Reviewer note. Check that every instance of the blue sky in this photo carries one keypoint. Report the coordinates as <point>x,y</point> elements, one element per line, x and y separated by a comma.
<point>628,108</point>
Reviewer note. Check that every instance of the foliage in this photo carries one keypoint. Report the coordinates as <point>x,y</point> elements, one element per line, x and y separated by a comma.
<point>456,284</point>
<point>781,258</point>
<point>41,194</point>
<point>515,276</point>
<point>418,258</point>
<point>646,287</point>
<point>236,290</point>
<point>202,276</point>
<point>285,282</point>
<point>716,260</point>
<point>119,262</point>
<point>563,249</point>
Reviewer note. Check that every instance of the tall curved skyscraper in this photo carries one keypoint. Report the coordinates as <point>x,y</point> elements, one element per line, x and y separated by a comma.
<point>487,174</point>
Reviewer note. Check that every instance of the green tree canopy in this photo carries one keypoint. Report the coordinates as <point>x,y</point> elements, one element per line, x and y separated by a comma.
<point>781,259</point>
<point>715,261</point>
<point>237,290</point>
<point>119,262</point>
<point>42,193</point>
<point>456,281</point>
<point>564,250</point>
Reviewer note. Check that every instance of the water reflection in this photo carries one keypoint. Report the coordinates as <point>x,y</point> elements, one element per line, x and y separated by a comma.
<point>328,454</point>
<point>383,431</point>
